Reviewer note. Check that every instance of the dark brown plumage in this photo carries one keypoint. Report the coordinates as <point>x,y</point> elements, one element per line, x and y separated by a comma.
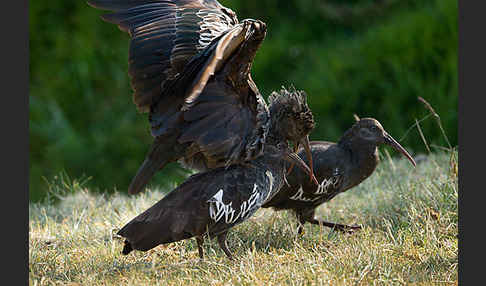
<point>338,167</point>
<point>189,63</point>
<point>210,203</point>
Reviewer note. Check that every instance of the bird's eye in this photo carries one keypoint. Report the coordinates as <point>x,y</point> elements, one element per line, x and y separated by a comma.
<point>373,128</point>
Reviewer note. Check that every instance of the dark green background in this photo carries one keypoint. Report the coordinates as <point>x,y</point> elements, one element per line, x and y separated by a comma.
<point>372,58</point>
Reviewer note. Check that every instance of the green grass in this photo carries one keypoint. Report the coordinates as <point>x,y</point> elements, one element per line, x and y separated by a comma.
<point>409,237</point>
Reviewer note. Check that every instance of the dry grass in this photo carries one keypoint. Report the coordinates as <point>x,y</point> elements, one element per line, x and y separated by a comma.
<point>409,237</point>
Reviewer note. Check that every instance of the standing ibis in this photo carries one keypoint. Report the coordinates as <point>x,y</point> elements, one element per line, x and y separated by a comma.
<point>338,167</point>
<point>189,64</point>
<point>213,201</point>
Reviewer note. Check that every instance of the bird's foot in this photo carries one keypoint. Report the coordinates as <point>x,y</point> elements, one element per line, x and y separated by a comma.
<point>347,228</point>
<point>224,246</point>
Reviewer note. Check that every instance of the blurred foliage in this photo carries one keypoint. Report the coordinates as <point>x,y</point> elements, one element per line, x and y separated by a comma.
<point>372,58</point>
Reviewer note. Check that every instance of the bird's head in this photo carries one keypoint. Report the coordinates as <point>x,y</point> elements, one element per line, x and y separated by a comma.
<point>291,119</point>
<point>370,130</point>
<point>290,115</point>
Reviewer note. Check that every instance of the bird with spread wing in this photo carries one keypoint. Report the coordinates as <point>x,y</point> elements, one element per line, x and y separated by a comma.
<point>189,64</point>
<point>211,203</point>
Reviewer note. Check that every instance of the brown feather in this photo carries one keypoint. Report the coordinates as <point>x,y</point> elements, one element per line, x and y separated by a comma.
<point>226,46</point>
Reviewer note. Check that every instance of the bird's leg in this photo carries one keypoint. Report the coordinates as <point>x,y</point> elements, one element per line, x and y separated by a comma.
<point>224,246</point>
<point>308,216</point>
<point>339,227</point>
<point>300,229</point>
<point>301,221</point>
<point>200,241</point>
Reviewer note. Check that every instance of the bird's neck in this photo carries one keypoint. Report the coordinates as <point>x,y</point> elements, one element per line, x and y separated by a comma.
<point>274,136</point>
<point>275,143</point>
<point>363,157</point>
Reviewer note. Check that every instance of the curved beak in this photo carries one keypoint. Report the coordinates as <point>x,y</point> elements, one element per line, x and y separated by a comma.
<point>390,141</point>
<point>305,143</point>
<point>294,159</point>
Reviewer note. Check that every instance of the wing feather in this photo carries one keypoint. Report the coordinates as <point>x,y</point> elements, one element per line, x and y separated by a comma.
<point>226,46</point>
<point>176,47</point>
<point>165,35</point>
<point>219,124</point>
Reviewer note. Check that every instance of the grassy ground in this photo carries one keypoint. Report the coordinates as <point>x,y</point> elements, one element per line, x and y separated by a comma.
<point>409,237</point>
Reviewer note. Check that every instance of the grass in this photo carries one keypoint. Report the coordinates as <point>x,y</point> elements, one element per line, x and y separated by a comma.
<point>410,236</point>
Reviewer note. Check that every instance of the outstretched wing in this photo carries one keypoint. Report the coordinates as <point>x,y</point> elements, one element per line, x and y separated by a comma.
<point>221,130</point>
<point>224,115</point>
<point>176,51</point>
<point>165,35</point>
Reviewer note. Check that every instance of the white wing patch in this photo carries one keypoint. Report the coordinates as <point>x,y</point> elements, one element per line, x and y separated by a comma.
<point>322,189</point>
<point>326,183</point>
<point>218,209</point>
<point>271,179</point>
<point>299,196</point>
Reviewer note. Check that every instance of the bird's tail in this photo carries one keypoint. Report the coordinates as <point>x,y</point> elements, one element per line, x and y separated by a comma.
<point>155,160</point>
<point>127,248</point>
